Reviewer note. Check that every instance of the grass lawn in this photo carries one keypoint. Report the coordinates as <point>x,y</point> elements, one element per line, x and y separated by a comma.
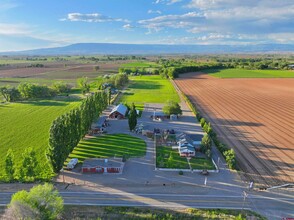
<point>27,124</point>
<point>177,162</point>
<point>109,145</point>
<point>140,64</point>
<point>149,89</point>
<point>148,213</point>
<point>243,73</point>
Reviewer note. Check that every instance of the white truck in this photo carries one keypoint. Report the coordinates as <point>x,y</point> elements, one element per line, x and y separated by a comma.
<point>72,163</point>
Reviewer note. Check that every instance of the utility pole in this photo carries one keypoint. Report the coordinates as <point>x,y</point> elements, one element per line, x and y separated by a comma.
<point>244,199</point>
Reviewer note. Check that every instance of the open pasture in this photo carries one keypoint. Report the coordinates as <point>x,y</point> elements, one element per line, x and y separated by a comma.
<point>253,116</point>
<point>27,124</point>
<point>149,89</point>
<point>243,73</point>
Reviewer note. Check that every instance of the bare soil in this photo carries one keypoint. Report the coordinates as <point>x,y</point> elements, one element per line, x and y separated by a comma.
<point>253,116</point>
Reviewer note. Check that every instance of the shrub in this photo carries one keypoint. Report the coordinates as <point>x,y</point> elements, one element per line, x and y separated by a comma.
<point>202,122</point>
<point>230,158</point>
<point>43,202</point>
<point>206,143</point>
<point>172,107</point>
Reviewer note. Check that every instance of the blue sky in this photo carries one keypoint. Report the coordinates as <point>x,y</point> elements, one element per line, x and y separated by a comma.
<point>30,24</point>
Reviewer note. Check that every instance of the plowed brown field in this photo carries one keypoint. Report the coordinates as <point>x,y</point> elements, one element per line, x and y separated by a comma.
<point>253,116</point>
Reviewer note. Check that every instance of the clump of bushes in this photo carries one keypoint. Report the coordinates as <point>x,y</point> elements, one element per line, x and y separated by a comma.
<point>26,91</point>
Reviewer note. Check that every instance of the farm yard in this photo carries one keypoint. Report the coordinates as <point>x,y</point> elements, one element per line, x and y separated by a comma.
<point>27,124</point>
<point>254,116</point>
<point>149,89</point>
<point>168,158</point>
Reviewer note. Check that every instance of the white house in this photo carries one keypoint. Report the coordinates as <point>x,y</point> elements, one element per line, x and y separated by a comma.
<point>186,150</point>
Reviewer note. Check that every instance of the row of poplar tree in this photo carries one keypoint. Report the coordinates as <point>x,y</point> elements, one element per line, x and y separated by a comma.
<point>67,130</point>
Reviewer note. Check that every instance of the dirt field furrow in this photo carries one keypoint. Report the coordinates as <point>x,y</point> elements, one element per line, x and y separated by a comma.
<point>255,116</point>
<point>244,140</point>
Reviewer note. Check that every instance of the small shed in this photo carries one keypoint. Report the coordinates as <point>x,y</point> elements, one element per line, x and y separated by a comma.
<point>96,165</point>
<point>118,112</point>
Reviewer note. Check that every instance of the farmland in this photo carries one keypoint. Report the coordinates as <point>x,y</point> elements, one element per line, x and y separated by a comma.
<point>116,145</point>
<point>253,116</point>
<point>27,124</point>
<point>141,64</point>
<point>145,89</point>
<point>243,73</point>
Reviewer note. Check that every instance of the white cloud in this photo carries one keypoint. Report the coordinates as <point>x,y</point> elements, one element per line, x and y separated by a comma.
<point>214,36</point>
<point>14,29</point>
<point>230,20</point>
<point>166,2</point>
<point>95,17</point>
<point>7,4</point>
<point>128,27</point>
<point>282,37</point>
<point>153,12</point>
<point>172,21</point>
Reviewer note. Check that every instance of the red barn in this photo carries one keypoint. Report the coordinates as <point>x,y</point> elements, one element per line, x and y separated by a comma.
<point>118,112</point>
<point>95,165</point>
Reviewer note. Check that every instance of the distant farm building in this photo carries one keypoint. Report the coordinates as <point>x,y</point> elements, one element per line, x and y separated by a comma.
<point>95,165</point>
<point>118,112</point>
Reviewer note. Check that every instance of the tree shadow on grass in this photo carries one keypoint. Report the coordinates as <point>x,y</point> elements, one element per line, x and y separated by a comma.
<point>45,103</point>
<point>150,85</point>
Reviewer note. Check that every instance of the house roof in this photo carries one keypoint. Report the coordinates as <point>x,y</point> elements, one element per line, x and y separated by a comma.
<point>122,109</point>
<point>186,149</point>
<point>96,162</point>
<point>186,146</point>
<point>99,123</point>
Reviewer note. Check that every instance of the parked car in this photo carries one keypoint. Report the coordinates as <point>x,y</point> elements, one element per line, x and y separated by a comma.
<point>72,163</point>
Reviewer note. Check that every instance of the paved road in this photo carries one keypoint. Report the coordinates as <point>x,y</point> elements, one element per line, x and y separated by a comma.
<point>273,206</point>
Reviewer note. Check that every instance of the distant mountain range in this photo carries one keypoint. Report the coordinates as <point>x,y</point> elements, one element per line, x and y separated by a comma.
<point>154,49</point>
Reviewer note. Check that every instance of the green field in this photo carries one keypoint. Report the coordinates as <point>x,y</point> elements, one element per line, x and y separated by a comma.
<point>27,124</point>
<point>140,65</point>
<point>149,89</point>
<point>177,162</point>
<point>243,73</point>
<point>109,146</point>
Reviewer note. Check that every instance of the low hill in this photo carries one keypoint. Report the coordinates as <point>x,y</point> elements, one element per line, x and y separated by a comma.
<point>153,49</point>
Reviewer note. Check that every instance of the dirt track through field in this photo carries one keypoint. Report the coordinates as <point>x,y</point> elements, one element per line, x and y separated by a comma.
<point>254,116</point>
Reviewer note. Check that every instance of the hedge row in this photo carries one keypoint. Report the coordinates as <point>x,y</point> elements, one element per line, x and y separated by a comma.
<point>228,154</point>
<point>67,130</point>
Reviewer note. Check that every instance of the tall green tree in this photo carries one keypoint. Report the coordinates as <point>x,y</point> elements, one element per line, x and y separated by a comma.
<point>172,107</point>
<point>83,84</point>
<point>4,92</point>
<point>132,118</point>
<point>9,164</point>
<point>29,164</point>
<point>43,201</point>
<point>206,143</point>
